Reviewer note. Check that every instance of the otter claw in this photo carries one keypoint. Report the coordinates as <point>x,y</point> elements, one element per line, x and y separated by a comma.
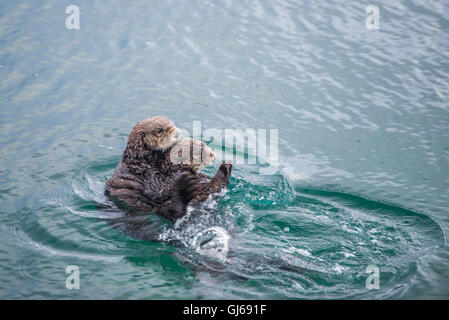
<point>184,190</point>
<point>185,187</point>
<point>224,171</point>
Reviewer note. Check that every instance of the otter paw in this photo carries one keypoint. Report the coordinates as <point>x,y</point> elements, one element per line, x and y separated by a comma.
<point>184,190</point>
<point>185,187</point>
<point>224,172</point>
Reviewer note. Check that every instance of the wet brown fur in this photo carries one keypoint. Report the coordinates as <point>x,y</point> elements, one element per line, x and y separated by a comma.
<point>146,178</point>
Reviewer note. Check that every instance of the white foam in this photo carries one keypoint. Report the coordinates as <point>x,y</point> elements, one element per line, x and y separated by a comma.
<point>217,247</point>
<point>302,252</point>
<point>338,268</point>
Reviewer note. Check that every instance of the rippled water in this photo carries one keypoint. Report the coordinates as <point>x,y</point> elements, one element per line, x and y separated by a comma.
<point>363,147</point>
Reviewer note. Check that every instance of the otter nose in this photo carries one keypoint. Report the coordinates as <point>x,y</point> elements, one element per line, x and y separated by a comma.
<point>212,154</point>
<point>176,136</point>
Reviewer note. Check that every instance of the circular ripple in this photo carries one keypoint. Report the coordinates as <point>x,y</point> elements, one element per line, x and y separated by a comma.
<point>307,243</point>
<point>262,238</point>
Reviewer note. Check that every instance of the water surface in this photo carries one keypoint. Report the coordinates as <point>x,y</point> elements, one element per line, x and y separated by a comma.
<point>363,147</point>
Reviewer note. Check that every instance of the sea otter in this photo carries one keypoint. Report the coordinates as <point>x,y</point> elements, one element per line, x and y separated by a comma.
<point>158,172</point>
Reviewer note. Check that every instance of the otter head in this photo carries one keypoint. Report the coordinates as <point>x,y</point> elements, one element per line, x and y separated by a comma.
<point>191,153</point>
<point>149,135</point>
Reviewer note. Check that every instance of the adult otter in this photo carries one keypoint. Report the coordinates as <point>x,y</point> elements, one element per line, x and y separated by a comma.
<point>157,175</point>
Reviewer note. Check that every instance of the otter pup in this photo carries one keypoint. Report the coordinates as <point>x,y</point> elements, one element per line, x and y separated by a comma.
<point>158,171</point>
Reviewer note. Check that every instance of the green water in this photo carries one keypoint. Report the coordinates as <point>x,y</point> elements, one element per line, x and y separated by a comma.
<point>362,119</point>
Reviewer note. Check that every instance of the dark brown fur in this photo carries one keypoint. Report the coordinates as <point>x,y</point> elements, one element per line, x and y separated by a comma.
<point>146,179</point>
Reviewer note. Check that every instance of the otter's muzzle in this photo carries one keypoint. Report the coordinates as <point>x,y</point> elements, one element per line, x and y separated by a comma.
<point>176,136</point>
